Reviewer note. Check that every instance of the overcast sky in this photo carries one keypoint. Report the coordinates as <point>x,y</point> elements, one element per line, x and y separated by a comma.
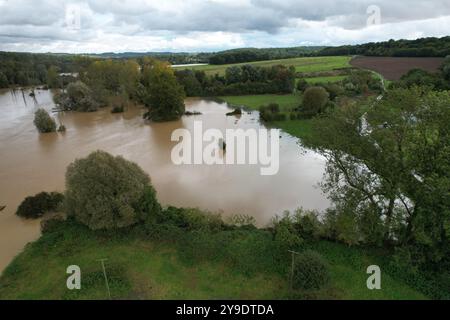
<point>77,26</point>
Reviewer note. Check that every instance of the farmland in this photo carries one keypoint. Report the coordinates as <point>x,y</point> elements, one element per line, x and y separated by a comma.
<point>393,68</point>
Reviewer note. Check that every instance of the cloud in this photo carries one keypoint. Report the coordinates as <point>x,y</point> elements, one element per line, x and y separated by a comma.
<point>195,25</point>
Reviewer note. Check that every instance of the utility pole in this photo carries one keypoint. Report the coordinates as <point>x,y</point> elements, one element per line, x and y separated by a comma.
<point>106,278</point>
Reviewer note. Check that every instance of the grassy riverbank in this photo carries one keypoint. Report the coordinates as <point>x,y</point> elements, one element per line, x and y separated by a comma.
<point>297,128</point>
<point>171,263</point>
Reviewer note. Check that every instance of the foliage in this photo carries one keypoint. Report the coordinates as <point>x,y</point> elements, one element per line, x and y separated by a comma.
<point>239,80</point>
<point>106,192</point>
<point>191,82</point>
<point>24,69</point>
<point>423,47</point>
<point>271,112</point>
<point>253,54</point>
<point>53,79</point>
<point>36,206</point>
<point>164,96</point>
<point>112,78</point>
<point>43,122</point>
<point>387,172</point>
<point>302,84</point>
<point>314,101</point>
<point>311,271</point>
<point>285,233</point>
<point>418,77</point>
<point>78,97</point>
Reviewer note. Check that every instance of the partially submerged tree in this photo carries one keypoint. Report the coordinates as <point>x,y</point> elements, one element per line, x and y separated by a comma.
<point>107,192</point>
<point>164,95</point>
<point>78,97</point>
<point>53,79</point>
<point>43,122</point>
<point>36,206</point>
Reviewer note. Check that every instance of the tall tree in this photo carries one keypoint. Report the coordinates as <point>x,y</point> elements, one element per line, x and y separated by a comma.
<point>165,96</point>
<point>388,172</point>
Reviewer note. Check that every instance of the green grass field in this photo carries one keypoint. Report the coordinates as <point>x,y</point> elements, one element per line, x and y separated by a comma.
<point>142,269</point>
<point>296,128</point>
<point>308,64</point>
<point>286,101</point>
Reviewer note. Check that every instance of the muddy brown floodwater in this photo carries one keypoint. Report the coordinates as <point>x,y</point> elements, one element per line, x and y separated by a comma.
<point>31,162</point>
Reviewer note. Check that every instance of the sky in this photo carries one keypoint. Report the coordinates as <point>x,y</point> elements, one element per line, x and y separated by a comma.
<point>96,26</point>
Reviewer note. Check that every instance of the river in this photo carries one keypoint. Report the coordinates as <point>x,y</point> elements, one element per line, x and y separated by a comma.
<point>31,162</point>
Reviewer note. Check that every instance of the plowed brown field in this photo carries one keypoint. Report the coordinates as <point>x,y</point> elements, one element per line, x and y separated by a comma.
<point>393,68</point>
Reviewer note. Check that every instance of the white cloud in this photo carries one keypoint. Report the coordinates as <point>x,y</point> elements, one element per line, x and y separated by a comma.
<point>197,25</point>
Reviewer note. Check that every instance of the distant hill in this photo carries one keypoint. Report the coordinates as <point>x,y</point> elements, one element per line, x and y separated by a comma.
<point>423,47</point>
<point>172,57</point>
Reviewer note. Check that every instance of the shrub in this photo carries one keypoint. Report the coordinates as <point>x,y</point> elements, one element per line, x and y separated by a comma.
<point>43,122</point>
<point>106,192</point>
<point>271,112</point>
<point>285,233</point>
<point>52,222</point>
<point>314,101</point>
<point>302,85</point>
<point>36,206</point>
<point>311,272</point>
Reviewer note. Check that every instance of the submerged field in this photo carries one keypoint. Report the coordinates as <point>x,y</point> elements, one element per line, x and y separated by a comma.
<point>309,64</point>
<point>234,264</point>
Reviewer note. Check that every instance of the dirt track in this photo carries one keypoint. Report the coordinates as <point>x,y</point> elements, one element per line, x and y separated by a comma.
<point>393,68</point>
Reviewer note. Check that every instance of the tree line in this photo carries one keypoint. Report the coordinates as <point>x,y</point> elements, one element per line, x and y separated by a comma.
<point>255,54</point>
<point>423,47</point>
<point>24,69</point>
<point>239,80</point>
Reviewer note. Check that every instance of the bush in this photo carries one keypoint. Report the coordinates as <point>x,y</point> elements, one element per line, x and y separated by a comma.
<point>285,233</point>
<point>271,112</point>
<point>310,271</point>
<point>314,101</point>
<point>36,206</point>
<point>302,85</point>
<point>106,192</point>
<point>43,122</point>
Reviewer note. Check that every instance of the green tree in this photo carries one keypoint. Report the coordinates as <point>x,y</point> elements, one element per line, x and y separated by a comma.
<point>43,122</point>
<point>78,97</point>
<point>165,96</point>
<point>4,83</point>
<point>106,192</point>
<point>314,101</point>
<point>388,171</point>
<point>53,79</point>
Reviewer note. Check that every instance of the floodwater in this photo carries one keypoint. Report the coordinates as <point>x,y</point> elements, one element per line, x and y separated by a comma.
<point>31,162</point>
